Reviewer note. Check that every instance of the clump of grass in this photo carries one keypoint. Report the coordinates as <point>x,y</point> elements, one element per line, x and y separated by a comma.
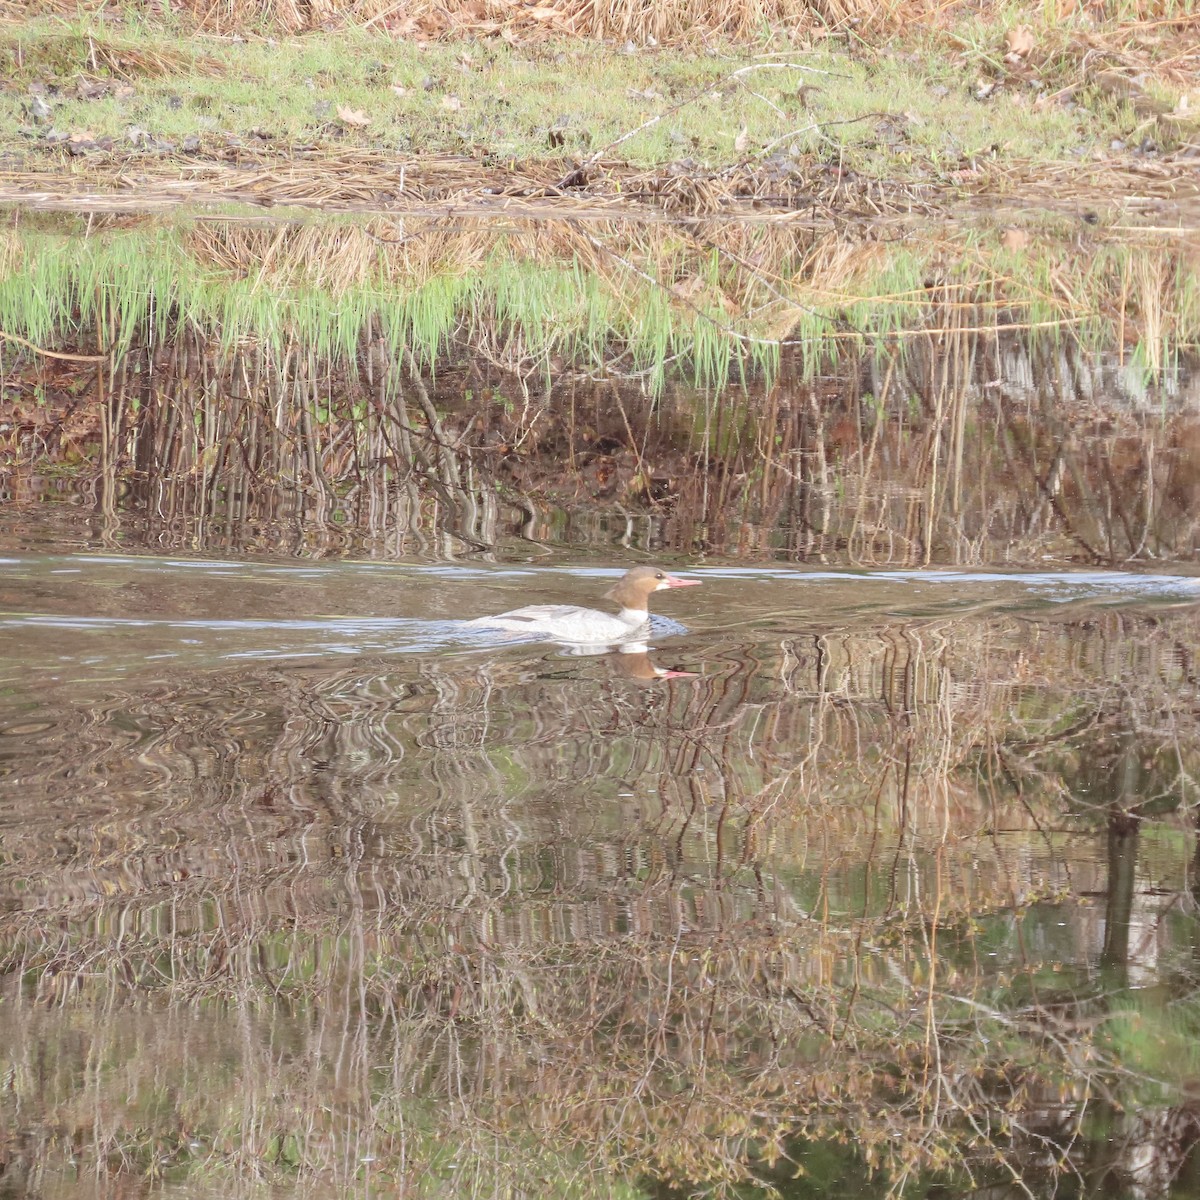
<point>32,52</point>
<point>600,298</point>
<point>111,286</point>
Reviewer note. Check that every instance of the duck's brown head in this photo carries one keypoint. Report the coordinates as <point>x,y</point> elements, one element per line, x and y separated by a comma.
<point>633,589</point>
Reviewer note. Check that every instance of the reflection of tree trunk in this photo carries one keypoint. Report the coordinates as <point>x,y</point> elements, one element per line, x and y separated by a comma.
<point>1118,908</point>
<point>1100,1163</point>
<point>1122,856</point>
<point>1196,881</point>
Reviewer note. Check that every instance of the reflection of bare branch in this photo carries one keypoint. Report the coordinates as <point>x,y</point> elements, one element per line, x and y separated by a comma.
<point>382,909</point>
<point>929,456</point>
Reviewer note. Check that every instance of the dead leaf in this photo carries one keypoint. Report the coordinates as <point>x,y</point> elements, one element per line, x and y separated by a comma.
<point>398,90</point>
<point>548,16</point>
<point>742,140</point>
<point>1182,109</point>
<point>352,116</point>
<point>687,287</point>
<point>401,27</point>
<point>453,103</point>
<point>1020,41</point>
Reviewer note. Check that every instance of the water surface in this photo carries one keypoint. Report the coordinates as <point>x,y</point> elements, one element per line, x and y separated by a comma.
<point>302,889</point>
<point>873,874</point>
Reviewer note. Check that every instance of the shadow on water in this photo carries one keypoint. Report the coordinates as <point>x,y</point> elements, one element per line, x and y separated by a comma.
<point>888,885</point>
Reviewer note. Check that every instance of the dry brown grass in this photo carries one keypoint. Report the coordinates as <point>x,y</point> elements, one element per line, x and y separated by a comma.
<point>664,21</point>
<point>807,196</point>
<point>643,22</point>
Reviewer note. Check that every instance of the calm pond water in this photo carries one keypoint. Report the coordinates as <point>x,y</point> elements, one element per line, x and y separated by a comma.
<point>875,873</point>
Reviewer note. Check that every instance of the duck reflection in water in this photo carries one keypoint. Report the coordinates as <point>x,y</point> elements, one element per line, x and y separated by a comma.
<point>637,664</point>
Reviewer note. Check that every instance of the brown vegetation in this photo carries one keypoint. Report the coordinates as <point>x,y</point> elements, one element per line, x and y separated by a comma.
<point>664,21</point>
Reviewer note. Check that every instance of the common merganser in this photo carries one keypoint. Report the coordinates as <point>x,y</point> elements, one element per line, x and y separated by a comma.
<point>587,626</point>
